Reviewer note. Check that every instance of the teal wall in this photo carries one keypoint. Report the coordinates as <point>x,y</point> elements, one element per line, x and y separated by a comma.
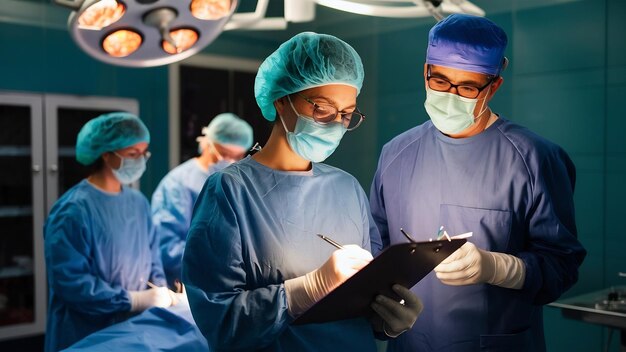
<point>566,81</point>
<point>46,60</point>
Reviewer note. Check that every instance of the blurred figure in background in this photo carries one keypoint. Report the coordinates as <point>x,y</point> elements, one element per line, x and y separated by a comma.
<point>101,250</point>
<point>225,140</point>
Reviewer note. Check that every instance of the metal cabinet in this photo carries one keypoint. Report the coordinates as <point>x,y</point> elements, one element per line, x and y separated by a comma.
<point>37,147</point>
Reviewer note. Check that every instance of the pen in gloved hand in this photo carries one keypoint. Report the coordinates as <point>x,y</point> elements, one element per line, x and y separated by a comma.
<point>329,240</point>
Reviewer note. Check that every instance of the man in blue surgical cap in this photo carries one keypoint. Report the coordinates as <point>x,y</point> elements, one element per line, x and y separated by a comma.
<point>471,170</point>
<point>253,262</point>
<point>224,141</point>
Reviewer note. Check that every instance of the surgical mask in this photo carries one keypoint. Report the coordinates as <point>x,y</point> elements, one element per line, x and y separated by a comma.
<point>451,113</point>
<point>311,140</point>
<point>130,170</point>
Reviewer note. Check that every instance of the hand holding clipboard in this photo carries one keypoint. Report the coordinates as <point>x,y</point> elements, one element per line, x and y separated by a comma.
<point>404,264</point>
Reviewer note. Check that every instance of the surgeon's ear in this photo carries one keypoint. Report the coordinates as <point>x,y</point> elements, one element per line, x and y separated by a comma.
<point>111,160</point>
<point>279,105</point>
<point>495,86</point>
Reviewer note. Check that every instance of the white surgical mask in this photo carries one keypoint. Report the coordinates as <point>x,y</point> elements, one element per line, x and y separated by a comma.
<point>130,170</point>
<point>311,140</point>
<point>451,113</point>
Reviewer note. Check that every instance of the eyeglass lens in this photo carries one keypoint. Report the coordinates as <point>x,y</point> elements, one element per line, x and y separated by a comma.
<point>328,113</point>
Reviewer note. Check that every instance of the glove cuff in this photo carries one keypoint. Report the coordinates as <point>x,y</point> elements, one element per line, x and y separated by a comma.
<point>509,271</point>
<point>135,301</point>
<point>392,335</point>
<point>298,300</point>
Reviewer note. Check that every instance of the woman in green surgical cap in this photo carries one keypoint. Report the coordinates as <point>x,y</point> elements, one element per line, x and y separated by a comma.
<point>100,246</point>
<point>253,262</point>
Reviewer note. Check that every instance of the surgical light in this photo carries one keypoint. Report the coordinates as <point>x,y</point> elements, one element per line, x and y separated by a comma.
<point>121,43</point>
<point>101,14</point>
<point>183,39</point>
<point>143,33</point>
<point>210,9</point>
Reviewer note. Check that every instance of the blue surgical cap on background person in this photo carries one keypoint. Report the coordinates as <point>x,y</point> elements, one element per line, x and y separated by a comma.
<point>468,43</point>
<point>107,133</point>
<point>229,129</point>
<point>307,60</point>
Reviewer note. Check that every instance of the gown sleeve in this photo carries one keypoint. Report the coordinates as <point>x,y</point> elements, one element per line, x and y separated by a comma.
<point>230,313</point>
<point>553,254</point>
<point>67,249</point>
<point>372,242</point>
<point>171,212</point>
<point>157,276</point>
<point>377,205</point>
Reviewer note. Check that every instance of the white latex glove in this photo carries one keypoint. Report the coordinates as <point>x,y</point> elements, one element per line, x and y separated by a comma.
<point>471,265</point>
<point>153,297</point>
<point>304,291</point>
<point>393,317</point>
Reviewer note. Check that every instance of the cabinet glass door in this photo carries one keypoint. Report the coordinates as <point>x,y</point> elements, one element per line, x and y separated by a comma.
<point>22,292</point>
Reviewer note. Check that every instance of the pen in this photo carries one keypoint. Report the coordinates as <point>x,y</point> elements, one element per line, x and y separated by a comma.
<point>149,283</point>
<point>330,241</point>
<point>407,235</point>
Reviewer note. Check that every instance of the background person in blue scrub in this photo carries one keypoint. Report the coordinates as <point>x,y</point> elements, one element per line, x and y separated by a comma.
<point>225,140</point>
<point>468,169</point>
<point>100,244</point>
<point>253,261</point>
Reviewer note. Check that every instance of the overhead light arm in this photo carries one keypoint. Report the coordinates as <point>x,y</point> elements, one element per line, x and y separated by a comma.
<point>74,5</point>
<point>389,8</point>
<point>256,19</point>
<point>432,6</point>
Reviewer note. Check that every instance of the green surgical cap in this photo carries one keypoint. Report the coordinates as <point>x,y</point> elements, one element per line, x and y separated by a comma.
<point>109,132</point>
<point>305,61</point>
<point>229,129</point>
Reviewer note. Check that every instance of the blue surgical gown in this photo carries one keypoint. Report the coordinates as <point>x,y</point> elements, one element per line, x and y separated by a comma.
<point>514,191</point>
<point>253,228</point>
<point>155,329</point>
<point>98,246</point>
<point>172,206</point>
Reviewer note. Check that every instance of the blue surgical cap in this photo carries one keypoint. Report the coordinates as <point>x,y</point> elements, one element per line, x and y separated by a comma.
<point>305,61</point>
<point>468,43</point>
<point>229,129</point>
<point>109,132</point>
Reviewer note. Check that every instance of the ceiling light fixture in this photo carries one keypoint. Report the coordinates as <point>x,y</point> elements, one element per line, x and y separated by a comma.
<point>143,33</point>
<point>403,8</point>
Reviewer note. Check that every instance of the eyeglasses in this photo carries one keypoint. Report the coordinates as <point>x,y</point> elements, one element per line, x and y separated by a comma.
<point>326,113</point>
<point>443,85</point>
<point>135,155</point>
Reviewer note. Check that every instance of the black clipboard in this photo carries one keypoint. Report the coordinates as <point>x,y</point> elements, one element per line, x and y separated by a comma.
<point>405,264</point>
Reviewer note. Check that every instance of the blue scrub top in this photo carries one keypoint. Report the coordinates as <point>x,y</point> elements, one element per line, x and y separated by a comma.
<point>172,207</point>
<point>98,246</point>
<point>253,228</point>
<point>514,191</point>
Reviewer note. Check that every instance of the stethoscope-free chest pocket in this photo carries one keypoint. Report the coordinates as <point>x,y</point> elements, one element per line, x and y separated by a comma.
<point>491,228</point>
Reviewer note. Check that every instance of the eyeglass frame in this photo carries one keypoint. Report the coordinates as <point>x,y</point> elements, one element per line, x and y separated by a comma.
<point>316,105</point>
<point>456,86</point>
<point>145,154</point>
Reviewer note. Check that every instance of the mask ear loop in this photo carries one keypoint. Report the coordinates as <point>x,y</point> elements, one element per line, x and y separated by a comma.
<point>482,111</point>
<point>217,154</point>
<point>121,161</point>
